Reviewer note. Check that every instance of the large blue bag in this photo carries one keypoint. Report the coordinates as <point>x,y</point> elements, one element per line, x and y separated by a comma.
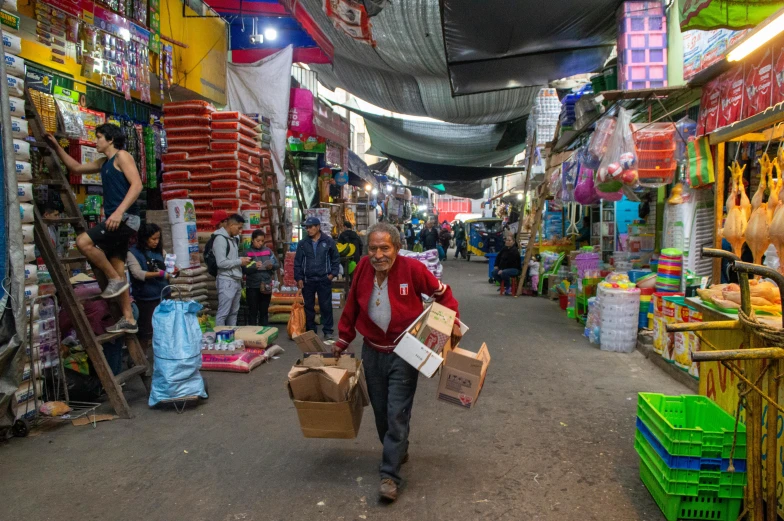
<point>176,342</point>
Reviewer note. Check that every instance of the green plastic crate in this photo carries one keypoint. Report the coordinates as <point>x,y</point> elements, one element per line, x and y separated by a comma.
<point>684,482</point>
<point>706,506</point>
<point>691,426</point>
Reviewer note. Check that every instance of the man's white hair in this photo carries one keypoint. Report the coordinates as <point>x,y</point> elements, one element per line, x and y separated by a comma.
<point>384,227</point>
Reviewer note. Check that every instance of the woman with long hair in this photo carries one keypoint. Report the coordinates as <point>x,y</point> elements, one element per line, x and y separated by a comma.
<point>148,276</point>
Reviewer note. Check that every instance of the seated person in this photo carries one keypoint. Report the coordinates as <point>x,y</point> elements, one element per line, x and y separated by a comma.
<point>507,264</point>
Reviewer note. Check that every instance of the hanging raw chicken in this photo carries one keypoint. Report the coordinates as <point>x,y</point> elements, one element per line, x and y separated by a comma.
<point>759,195</point>
<point>777,224</point>
<point>774,201</point>
<point>735,225</point>
<point>758,230</point>
<point>745,204</point>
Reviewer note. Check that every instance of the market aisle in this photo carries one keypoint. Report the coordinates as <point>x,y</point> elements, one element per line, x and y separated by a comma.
<point>550,439</point>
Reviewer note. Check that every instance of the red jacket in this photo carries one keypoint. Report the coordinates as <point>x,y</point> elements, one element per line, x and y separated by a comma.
<point>408,280</point>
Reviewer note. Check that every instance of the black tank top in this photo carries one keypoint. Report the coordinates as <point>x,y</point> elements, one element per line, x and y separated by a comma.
<point>115,188</point>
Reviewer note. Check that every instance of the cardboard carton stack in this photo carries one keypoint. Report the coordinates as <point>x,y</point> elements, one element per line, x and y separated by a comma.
<point>215,159</point>
<point>427,345</point>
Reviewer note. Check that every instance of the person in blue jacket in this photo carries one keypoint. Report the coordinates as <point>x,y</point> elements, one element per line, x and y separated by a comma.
<point>316,263</point>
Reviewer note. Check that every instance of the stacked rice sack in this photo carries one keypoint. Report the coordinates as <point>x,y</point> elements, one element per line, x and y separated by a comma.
<point>213,158</point>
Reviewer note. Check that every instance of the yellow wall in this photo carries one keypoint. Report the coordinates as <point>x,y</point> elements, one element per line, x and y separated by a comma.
<point>201,68</point>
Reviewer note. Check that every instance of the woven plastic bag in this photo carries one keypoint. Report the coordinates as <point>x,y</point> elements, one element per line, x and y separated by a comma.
<point>176,343</point>
<point>297,324</point>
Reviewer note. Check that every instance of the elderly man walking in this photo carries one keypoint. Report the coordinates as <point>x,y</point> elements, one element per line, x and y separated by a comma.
<point>384,300</point>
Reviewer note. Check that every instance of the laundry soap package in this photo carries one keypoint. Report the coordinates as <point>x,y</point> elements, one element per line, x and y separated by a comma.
<point>427,338</point>
<point>329,395</point>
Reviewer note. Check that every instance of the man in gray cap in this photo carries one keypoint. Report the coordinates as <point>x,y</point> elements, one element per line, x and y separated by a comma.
<point>317,262</point>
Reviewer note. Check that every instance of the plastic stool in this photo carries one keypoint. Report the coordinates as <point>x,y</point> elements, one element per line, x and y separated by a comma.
<point>514,281</point>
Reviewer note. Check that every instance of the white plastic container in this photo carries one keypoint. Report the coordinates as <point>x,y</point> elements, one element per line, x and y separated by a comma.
<point>619,319</point>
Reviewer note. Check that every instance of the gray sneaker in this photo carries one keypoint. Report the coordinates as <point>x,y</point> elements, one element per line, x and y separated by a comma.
<point>123,326</point>
<point>114,288</point>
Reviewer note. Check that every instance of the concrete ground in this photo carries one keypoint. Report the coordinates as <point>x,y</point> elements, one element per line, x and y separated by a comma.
<point>551,438</point>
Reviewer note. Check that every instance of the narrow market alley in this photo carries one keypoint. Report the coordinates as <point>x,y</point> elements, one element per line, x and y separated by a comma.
<point>551,438</point>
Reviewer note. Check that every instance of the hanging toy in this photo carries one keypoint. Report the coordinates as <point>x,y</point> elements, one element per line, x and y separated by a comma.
<point>614,170</point>
<point>627,160</point>
<point>629,177</point>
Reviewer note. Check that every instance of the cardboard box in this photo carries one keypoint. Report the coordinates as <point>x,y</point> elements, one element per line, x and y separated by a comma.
<point>435,328</point>
<point>309,342</point>
<point>413,351</point>
<point>463,376</point>
<point>322,376</point>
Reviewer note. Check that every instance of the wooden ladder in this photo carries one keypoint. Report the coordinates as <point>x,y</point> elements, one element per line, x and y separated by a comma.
<point>275,211</point>
<point>60,273</point>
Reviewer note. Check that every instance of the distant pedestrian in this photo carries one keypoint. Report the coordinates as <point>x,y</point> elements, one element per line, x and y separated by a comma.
<point>225,247</point>
<point>429,236</point>
<point>460,240</point>
<point>316,263</point>
<point>259,275</point>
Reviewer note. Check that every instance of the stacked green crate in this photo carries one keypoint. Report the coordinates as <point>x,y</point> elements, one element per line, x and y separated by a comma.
<point>685,444</point>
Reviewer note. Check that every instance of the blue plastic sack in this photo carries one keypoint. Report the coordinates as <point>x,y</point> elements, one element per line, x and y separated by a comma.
<point>176,342</point>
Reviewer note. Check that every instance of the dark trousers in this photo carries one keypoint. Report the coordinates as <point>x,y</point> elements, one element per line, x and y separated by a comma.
<point>391,383</point>
<point>459,248</point>
<point>505,275</point>
<point>322,288</point>
<point>258,307</point>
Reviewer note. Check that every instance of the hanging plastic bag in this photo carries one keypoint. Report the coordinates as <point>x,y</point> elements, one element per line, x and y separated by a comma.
<point>297,323</point>
<point>600,141</point>
<point>176,343</point>
<point>685,129</point>
<point>585,192</point>
<point>701,173</point>
<point>619,164</point>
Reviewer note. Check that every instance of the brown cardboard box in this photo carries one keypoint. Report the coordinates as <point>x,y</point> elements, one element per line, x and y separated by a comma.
<point>323,419</point>
<point>434,330</point>
<point>463,375</point>
<point>309,342</point>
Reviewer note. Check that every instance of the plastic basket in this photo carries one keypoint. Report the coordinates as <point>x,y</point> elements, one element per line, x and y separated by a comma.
<point>683,482</point>
<point>705,506</point>
<point>656,159</point>
<point>691,425</point>
<point>598,84</point>
<point>685,462</point>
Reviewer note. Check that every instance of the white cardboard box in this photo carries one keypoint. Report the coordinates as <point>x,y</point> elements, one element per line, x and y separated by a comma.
<point>418,355</point>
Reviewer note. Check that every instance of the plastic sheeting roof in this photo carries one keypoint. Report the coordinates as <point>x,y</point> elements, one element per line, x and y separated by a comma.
<point>444,143</point>
<point>407,71</point>
<point>512,43</point>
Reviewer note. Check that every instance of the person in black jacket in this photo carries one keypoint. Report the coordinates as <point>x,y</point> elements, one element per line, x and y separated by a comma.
<point>349,236</point>
<point>429,236</point>
<point>507,264</point>
<point>316,263</point>
<point>259,275</point>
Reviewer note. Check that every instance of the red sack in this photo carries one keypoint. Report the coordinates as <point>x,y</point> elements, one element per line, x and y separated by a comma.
<point>174,194</point>
<point>177,175</point>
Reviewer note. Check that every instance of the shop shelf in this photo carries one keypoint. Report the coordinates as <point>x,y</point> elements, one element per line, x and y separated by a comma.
<point>726,485</point>
<point>691,425</point>
<point>705,506</point>
<point>686,462</point>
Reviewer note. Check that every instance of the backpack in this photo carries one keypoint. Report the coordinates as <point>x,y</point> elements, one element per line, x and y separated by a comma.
<point>209,256</point>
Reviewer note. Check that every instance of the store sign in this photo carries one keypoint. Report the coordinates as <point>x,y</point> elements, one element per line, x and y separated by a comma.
<point>9,20</point>
<point>329,124</point>
<point>38,80</point>
<point>66,94</point>
<point>341,178</point>
<point>334,155</point>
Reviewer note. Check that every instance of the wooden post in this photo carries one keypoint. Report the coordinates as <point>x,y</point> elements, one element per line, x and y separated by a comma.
<point>718,205</point>
<point>771,462</point>
<point>529,251</point>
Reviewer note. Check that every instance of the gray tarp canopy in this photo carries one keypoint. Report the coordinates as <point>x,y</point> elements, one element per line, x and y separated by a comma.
<point>407,71</point>
<point>444,143</point>
<point>516,43</point>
